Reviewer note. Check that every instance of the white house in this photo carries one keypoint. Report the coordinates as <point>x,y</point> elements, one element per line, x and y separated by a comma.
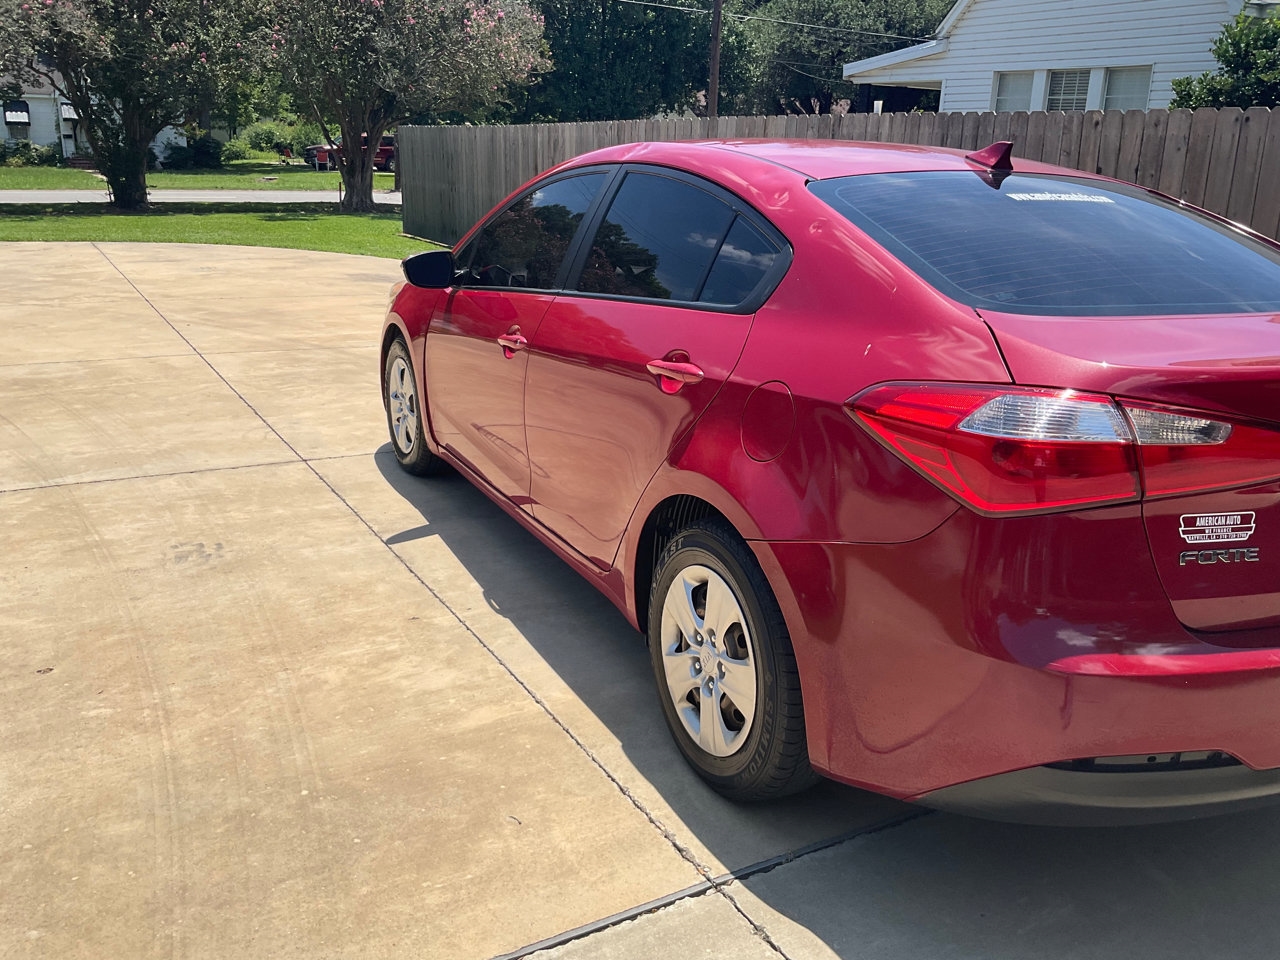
<point>1006,55</point>
<point>42,116</point>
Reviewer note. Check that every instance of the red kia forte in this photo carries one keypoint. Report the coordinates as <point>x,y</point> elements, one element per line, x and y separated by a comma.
<point>948,476</point>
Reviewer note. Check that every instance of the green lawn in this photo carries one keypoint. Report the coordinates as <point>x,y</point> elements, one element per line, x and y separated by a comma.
<point>296,226</point>
<point>237,175</point>
<point>49,178</point>
<point>257,175</point>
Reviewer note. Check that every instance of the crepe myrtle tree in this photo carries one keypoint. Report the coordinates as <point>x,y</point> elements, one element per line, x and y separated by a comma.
<point>367,65</point>
<point>129,67</point>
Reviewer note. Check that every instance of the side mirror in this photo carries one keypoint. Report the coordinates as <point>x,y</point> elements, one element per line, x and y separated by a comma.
<point>433,269</point>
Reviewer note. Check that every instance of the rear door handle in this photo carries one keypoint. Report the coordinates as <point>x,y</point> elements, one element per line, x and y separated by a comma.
<point>510,343</point>
<point>673,374</point>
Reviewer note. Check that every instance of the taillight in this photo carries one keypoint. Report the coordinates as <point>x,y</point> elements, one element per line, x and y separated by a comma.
<point>1014,450</point>
<point>1185,452</point>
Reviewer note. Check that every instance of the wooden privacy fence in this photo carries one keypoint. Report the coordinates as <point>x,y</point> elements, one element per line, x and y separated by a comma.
<point>1226,160</point>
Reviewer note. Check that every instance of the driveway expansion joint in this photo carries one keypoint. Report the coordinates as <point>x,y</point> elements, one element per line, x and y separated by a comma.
<point>216,372</point>
<point>147,476</point>
<point>721,885</point>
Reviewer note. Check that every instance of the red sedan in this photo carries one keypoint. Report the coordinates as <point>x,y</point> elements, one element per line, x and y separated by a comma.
<point>951,477</point>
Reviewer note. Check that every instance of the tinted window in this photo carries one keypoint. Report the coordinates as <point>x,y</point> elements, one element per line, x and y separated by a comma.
<point>744,258</point>
<point>657,240</point>
<point>1058,245</point>
<point>526,244</point>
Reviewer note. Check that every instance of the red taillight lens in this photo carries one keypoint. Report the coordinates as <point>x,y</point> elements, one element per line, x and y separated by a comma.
<point>1013,450</point>
<point>1007,450</point>
<point>1185,452</point>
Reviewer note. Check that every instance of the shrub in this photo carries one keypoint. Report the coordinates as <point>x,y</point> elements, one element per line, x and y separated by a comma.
<point>268,135</point>
<point>277,136</point>
<point>24,153</point>
<point>237,148</point>
<point>305,133</point>
<point>1248,75</point>
<point>179,157</point>
<point>206,153</point>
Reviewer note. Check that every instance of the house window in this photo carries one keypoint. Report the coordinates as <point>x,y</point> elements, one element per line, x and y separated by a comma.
<point>68,112</point>
<point>1128,88</point>
<point>1068,89</point>
<point>17,113</point>
<point>1013,91</point>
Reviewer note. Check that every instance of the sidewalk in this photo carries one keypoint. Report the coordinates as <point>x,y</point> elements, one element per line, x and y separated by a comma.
<point>192,196</point>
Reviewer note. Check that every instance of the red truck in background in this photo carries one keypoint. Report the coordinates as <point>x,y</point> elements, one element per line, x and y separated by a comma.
<point>322,156</point>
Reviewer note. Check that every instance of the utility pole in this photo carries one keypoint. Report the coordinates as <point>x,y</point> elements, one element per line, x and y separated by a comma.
<point>713,85</point>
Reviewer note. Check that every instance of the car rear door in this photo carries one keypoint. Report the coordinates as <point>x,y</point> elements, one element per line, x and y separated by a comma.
<point>475,349</point>
<point>619,369</point>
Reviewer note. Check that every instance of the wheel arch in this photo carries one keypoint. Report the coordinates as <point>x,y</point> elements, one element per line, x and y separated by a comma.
<point>394,331</point>
<point>397,329</point>
<point>676,498</point>
<point>665,520</point>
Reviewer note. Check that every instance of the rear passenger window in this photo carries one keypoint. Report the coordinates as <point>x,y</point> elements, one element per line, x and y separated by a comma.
<point>745,257</point>
<point>657,240</point>
<point>525,245</point>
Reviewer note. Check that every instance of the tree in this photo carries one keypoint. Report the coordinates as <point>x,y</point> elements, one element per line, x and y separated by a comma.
<point>1248,75</point>
<point>796,49</point>
<point>129,67</point>
<point>370,64</point>
<point>618,61</point>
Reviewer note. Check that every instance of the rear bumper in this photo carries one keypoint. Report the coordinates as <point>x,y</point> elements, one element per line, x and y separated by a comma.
<point>934,669</point>
<point>1059,796</point>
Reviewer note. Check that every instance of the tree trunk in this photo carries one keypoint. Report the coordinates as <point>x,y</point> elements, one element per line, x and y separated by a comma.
<point>357,176</point>
<point>126,174</point>
<point>126,163</point>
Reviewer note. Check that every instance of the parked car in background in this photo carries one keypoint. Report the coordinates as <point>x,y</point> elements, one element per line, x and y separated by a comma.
<point>948,476</point>
<point>324,156</point>
<point>310,153</point>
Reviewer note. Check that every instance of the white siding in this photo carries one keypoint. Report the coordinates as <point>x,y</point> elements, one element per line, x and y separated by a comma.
<point>1005,35</point>
<point>44,120</point>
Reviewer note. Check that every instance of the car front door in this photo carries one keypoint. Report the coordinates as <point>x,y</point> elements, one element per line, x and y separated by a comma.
<point>622,366</point>
<point>475,349</point>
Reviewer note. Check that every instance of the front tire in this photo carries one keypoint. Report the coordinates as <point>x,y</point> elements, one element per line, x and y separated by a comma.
<point>405,415</point>
<point>725,668</point>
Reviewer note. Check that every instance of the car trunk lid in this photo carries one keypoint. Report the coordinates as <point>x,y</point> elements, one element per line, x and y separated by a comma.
<point>1217,552</point>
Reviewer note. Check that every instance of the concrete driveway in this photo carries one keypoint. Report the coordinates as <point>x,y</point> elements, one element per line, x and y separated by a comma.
<point>263,695</point>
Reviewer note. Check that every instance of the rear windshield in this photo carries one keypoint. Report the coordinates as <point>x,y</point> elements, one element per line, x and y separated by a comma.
<point>1058,246</point>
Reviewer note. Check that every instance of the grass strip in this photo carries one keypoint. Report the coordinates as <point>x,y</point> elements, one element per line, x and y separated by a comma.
<point>296,226</point>
<point>236,175</point>
<point>49,178</point>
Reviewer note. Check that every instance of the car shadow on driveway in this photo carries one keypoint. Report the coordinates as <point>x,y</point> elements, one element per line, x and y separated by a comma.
<point>817,871</point>
<point>604,663</point>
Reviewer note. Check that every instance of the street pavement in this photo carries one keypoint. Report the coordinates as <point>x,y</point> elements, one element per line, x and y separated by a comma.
<point>192,196</point>
<point>265,696</point>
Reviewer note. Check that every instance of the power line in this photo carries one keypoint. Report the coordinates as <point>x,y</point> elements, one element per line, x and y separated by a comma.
<point>812,76</point>
<point>785,23</point>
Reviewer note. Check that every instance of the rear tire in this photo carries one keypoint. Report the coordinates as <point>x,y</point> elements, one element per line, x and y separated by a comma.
<point>405,415</point>
<point>725,668</point>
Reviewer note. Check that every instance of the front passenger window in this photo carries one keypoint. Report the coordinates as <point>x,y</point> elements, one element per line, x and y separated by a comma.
<point>526,244</point>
